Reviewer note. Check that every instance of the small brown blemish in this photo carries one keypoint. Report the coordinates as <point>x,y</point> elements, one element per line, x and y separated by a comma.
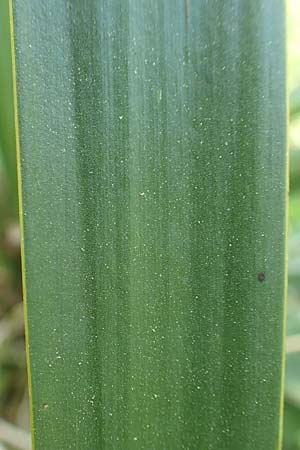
<point>187,8</point>
<point>45,406</point>
<point>261,276</point>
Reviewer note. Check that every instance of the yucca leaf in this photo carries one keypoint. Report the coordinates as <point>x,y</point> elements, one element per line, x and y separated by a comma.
<point>153,171</point>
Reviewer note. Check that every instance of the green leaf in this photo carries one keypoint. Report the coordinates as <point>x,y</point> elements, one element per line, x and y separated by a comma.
<point>295,103</point>
<point>7,130</point>
<point>295,169</point>
<point>291,438</point>
<point>153,170</point>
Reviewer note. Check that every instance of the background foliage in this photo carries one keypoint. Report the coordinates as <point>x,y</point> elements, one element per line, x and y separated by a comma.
<point>13,390</point>
<point>292,387</point>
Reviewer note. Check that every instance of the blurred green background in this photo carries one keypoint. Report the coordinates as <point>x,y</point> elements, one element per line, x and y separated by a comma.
<point>13,390</point>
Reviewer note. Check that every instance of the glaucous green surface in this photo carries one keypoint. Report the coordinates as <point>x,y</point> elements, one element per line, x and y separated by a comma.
<point>153,166</point>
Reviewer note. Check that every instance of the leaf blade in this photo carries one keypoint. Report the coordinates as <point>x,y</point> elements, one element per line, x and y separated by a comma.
<point>154,189</point>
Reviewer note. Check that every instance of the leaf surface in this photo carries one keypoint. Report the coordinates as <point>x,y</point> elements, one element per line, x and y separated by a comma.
<point>153,169</point>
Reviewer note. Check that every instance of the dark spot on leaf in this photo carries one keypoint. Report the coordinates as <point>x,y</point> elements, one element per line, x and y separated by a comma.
<point>261,276</point>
